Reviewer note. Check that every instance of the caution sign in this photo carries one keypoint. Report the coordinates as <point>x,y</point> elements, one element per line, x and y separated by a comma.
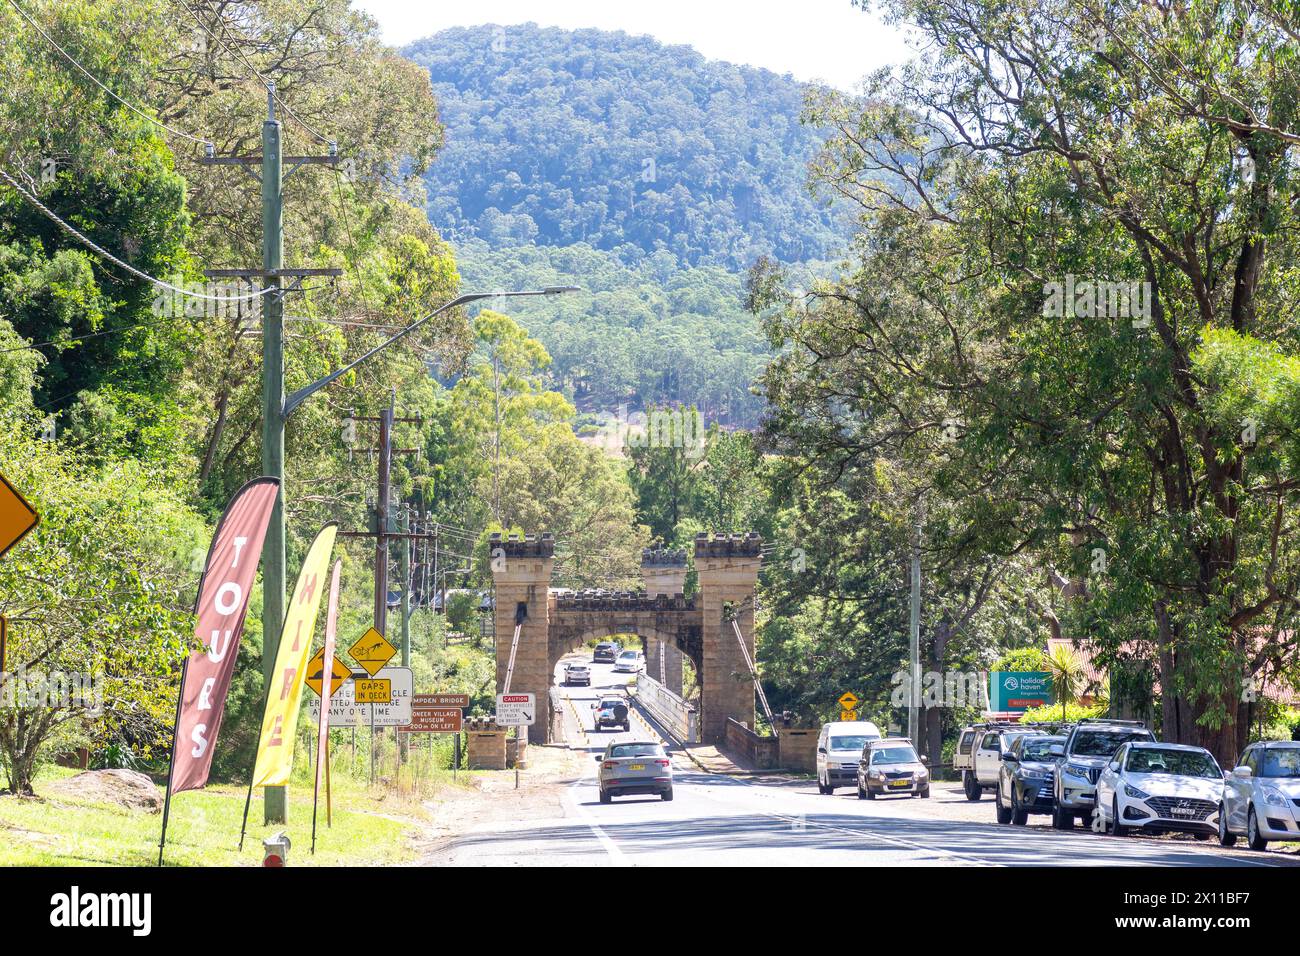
<point>372,652</point>
<point>848,700</point>
<point>370,690</point>
<point>17,517</point>
<point>315,678</point>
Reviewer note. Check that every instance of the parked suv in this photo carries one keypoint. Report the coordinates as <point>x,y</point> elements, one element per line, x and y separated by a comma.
<point>979,771</point>
<point>1025,780</point>
<point>1088,748</point>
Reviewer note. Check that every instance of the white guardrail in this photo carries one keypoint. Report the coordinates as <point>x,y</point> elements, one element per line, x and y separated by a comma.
<point>674,714</point>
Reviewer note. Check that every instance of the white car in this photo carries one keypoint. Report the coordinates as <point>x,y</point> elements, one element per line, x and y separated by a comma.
<point>635,767</point>
<point>575,673</point>
<point>839,750</point>
<point>629,662</point>
<point>1261,797</point>
<point>1160,787</point>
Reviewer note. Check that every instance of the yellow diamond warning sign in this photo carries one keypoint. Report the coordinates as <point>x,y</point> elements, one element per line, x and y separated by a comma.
<point>315,678</point>
<point>372,652</point>
<point>848,700</point>
<point>17,517</point>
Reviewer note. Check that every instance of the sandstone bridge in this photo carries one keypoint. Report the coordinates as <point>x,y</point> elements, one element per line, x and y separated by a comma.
<point>553,622</point>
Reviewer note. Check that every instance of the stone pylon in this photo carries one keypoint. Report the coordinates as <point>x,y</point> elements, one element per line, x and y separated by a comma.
<point>727,566</point>
<point>664,572</point>
<point>521,573</point>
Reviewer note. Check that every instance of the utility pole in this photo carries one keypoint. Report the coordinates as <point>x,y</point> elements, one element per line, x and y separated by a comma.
<point>382,505</point>
<point>914,649</point>
<point>271,274</point>
<point>404,527</point>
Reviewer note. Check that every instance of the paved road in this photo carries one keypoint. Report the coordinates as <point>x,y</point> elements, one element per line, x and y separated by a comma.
<point>716,820</point>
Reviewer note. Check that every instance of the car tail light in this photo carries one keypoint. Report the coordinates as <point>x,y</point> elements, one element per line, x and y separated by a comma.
<point>661,763</point>
<point>609,765</point>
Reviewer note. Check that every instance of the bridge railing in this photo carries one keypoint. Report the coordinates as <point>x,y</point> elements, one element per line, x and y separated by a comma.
<point>675,714</point>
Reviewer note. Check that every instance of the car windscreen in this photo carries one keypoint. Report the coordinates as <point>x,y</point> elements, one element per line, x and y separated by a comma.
<point>1104,743</point>
<point>636,750</point>
<point>893,755</point>
<point>1184,763</point>
<point>610,702</point>
<point>1283,762</point>
<point>1039,748</point>
<point>628,654</point>
<point>854,742</point>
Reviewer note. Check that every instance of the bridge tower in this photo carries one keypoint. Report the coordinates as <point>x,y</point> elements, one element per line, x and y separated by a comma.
<point>521,574</point>
<point>727,566</point>
<point>664,572</point>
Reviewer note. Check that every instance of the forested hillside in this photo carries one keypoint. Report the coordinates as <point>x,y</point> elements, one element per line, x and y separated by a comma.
<point>556,137</point>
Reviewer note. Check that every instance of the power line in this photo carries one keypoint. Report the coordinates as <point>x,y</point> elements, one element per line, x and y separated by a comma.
<point>90,76</point>
<point>103,253</point>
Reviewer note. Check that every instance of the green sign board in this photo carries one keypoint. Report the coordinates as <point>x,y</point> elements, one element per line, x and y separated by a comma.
<point>1019,690</point>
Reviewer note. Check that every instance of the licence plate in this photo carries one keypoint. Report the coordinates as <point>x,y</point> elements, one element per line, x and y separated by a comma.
<point>636,766</point>
<point>900,783</point>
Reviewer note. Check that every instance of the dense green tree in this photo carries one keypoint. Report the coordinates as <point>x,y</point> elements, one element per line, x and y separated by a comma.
<point>561,137</point>
<point>1139,445</point>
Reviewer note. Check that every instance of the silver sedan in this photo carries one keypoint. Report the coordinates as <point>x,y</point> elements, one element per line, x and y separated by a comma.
<point>627,768</point>
<point>1261,797</point>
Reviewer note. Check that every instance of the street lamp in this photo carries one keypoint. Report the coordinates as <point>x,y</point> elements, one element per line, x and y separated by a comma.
<point>276,413</point>
<point>300,396</point>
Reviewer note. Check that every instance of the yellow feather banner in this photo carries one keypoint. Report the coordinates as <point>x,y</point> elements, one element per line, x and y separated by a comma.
<point>275,750</point>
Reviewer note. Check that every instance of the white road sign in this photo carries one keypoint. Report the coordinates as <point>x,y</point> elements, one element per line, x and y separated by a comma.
<point>346,712</point>
<point>516,710</point>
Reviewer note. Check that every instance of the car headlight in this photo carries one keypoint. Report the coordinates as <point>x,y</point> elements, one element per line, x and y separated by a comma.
<point>1074,770</point>
<point>1272,796</point>
<point>876,774</point>
<point>1134,792</point>
<point>922,774</point>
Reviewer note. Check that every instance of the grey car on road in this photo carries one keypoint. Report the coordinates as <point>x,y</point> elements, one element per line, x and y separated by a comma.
<point>640,767</point>
<point>891,766</point>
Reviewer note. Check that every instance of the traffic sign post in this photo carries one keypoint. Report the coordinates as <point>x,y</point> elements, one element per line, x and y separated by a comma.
<point>848,702</point>
<point>516,710</point>
<point>433,720</point>
<point>374,690</point>
<point>346,711</point>
<point>372,652</point>
<point>460,701</point>
<point>17,517</point>
<point>315,679</point>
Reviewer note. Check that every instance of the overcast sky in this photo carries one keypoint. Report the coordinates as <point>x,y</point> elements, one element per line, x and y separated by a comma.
<point>827,40</point>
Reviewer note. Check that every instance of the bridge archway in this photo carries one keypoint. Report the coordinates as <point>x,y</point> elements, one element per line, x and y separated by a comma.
<point>552,622</point>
